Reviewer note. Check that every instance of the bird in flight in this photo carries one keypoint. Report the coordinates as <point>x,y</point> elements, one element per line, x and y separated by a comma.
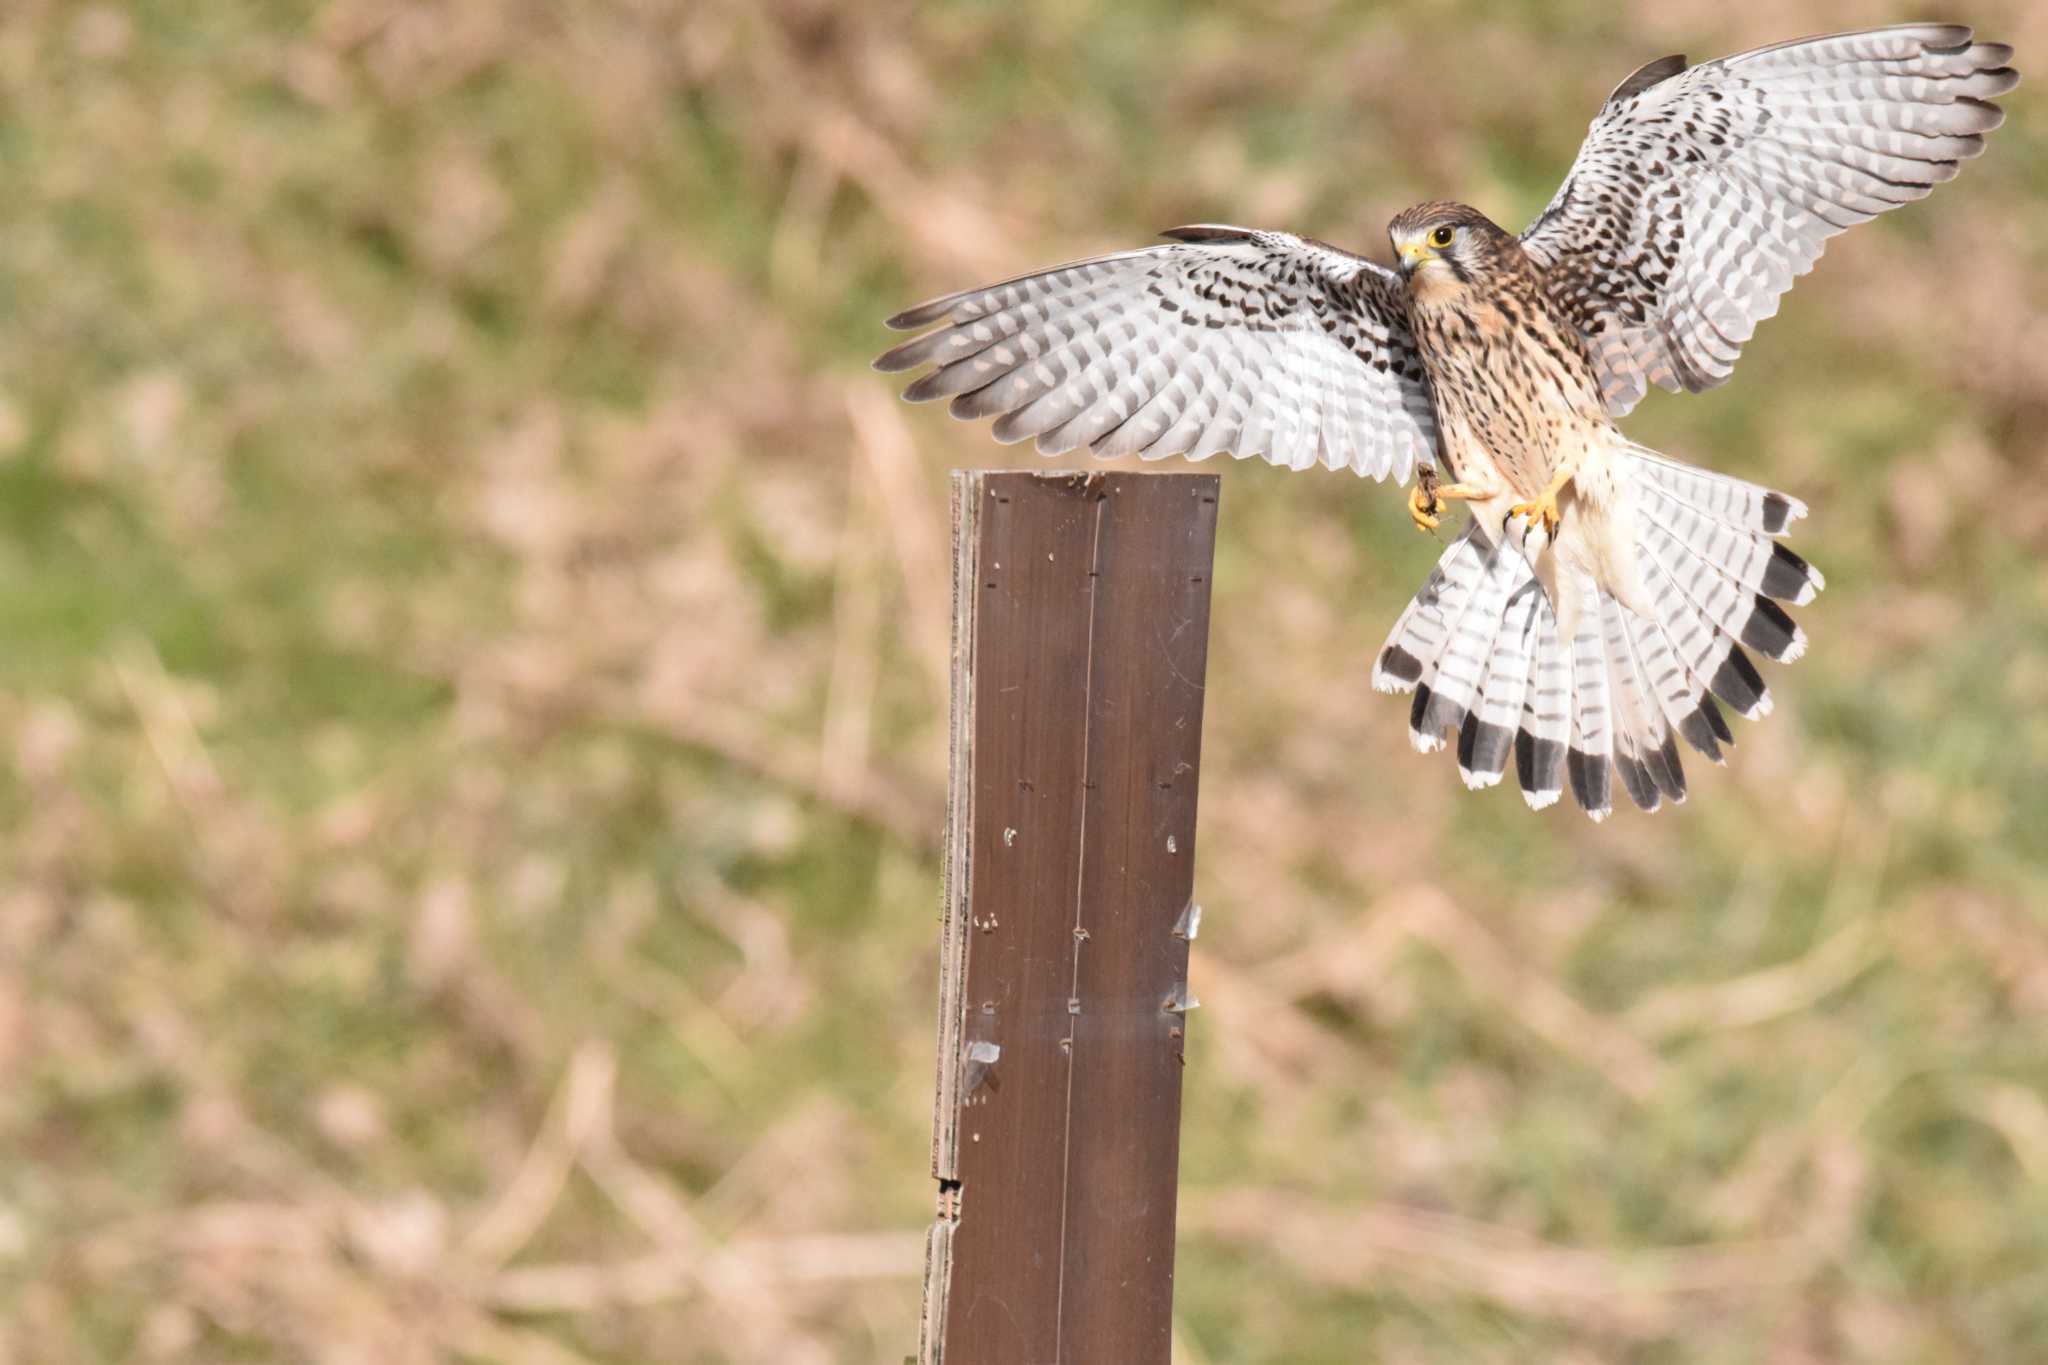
<point>1601,595</point>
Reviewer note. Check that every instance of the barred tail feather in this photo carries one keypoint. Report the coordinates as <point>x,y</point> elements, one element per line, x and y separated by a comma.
<point>1642,729</point>
<point>1716,665</point>
<point>1731,501</point>
<point>1420,631</point>
<point>1488,735</point>
<point>1482,649</point>
<point>1449,692</point>
<point>1673,687</point>
<point>1546,713</point>
<point>1440,645</point>
<point>1592,743</point>
<point>1715,577</point>
<point>1479,648</point>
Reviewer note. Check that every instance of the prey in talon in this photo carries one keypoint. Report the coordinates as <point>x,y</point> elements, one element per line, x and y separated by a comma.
<point>1423,505</point>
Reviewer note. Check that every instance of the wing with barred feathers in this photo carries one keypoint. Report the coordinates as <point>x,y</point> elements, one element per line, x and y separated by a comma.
<point>1701,194</point>
<point>1258,343</point>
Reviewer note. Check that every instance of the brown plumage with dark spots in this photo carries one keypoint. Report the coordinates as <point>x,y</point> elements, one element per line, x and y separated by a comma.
<point>1521,426</point>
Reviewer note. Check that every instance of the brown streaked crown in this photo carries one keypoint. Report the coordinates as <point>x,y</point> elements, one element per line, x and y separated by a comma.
<point>1423,217</point>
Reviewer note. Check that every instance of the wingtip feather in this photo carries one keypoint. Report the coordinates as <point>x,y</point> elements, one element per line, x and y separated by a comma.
<point>920,314</point>
<point>1207,232</point>
<point>1990,117</point>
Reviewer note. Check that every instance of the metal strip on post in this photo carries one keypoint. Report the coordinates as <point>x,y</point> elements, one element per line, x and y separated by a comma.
<point>1081,629</point>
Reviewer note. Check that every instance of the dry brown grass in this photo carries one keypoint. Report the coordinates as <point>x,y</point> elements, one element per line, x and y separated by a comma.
<point>474,680</point>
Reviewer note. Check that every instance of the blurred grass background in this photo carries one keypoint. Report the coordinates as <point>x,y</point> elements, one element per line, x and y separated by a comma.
<point>472,663</point>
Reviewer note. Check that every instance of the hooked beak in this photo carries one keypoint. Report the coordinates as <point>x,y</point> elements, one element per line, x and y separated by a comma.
<point>1413,253</point>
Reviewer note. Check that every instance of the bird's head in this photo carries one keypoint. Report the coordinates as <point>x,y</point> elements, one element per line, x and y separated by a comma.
<point>1432,240</point>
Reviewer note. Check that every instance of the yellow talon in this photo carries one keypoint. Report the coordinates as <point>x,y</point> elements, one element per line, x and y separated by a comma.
<point>1541,512</point>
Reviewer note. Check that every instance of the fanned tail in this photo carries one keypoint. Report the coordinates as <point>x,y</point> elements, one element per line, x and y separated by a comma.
<point>1481,647</point>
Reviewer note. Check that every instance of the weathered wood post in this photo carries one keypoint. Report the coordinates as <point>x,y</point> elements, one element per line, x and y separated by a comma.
<point>1080,640</point>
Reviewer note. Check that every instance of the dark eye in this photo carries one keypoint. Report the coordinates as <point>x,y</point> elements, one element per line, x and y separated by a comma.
<point>1441,237</point>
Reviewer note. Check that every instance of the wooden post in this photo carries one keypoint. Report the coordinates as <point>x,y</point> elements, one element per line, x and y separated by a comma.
<point>1080,639</point>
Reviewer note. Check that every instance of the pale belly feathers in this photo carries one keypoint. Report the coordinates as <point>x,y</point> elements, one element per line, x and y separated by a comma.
<point>1516,402</point>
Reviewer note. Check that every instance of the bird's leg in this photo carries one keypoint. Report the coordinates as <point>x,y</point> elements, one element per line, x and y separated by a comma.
<point>1426,500</point>
<point>1543,511</point>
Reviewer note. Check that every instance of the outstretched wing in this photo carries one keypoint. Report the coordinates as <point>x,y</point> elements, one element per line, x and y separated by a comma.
<point>1258,343</point>
<point>1701,194</point>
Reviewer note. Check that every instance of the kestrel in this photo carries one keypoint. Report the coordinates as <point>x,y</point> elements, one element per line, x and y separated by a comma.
<point>1601,595</point>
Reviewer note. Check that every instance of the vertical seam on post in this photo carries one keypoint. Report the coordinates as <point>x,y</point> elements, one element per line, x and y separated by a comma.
<point>1080,873</point>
